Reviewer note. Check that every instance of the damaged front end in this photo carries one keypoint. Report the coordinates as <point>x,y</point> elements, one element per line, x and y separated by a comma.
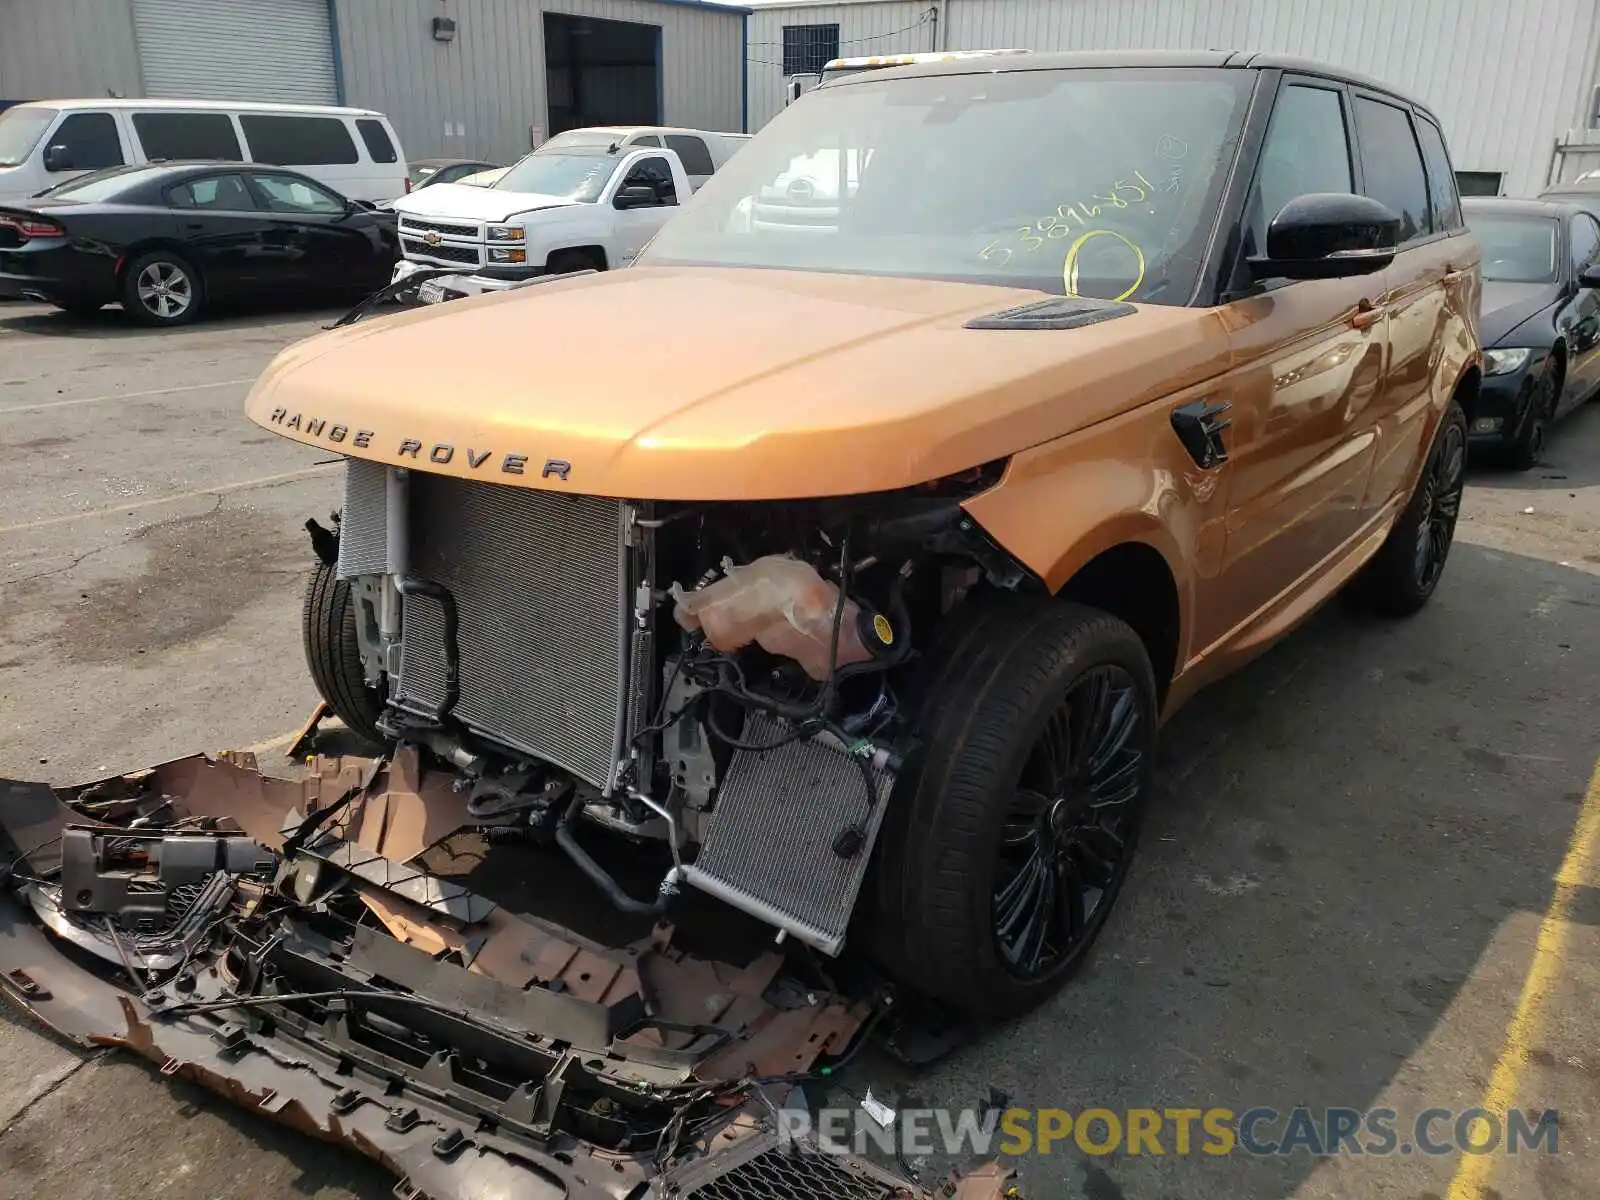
<point>309,949</point>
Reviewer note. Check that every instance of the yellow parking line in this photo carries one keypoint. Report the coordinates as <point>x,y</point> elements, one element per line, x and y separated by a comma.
<point>1523,1028</point>
<point>166,391</point>
<point>222,489</point>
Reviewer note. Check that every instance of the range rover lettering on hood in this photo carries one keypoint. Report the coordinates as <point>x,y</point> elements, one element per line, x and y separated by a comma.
<point>335,434</point>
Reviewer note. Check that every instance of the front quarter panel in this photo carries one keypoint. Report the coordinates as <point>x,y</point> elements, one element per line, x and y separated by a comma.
<point>1128,479</point>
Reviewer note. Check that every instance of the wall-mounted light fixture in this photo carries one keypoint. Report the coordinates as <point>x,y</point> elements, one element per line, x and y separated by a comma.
<point>444,29</point>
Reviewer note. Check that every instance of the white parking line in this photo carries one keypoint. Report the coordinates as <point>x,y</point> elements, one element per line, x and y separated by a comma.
<point>166,391</point>
<point>220,490</point>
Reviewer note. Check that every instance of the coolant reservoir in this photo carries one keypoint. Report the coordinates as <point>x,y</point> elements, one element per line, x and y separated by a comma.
<point>783,605</point>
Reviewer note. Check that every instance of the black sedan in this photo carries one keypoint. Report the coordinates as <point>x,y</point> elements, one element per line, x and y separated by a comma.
<point>426,172</point>
<point>168,239</point>
<point>1540,322</point>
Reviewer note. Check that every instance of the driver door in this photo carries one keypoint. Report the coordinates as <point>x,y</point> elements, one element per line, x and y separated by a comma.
<point>637,225</point>
<point>312,240</point>
<point>1309,373</point>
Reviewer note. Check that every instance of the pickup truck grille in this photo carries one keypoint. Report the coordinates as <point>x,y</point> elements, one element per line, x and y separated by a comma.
<point>413,224</point>
<point>442,252</point>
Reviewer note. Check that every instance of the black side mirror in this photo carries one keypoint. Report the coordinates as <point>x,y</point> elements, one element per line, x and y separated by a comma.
<point>637,196</point>
<point>1329,235</point>
<point>57,158</point>
<point>1589,277</point>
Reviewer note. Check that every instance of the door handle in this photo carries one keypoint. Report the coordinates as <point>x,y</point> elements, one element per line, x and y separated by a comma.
<point>1366,315</point>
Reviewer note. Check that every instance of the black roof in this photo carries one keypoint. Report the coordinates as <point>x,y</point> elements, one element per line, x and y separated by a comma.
<point>1086,59</point>
<point>1516,207</point>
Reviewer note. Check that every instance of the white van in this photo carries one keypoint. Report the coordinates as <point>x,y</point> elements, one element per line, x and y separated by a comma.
<point>46,142</point>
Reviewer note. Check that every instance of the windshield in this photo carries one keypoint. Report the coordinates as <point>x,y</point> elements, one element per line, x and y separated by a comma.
<point>20,131</point>
<point>1085,182</point>
<point>580,177</point>
<point>1517,249</point>
<point>419,173</point>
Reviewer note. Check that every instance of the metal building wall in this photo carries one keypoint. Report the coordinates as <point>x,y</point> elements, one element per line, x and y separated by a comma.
<point>877,27</point>
<point>64,49</point>
<point>1506,78</point>
<point>481,94</point>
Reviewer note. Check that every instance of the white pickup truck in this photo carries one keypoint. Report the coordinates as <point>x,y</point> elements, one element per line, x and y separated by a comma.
<point>588,208</point>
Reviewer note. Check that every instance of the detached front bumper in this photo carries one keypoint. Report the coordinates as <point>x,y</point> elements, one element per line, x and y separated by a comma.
<point>476,1053</point>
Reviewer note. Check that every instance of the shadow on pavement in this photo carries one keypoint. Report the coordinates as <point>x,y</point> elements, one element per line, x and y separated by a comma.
<point>1340,831</point>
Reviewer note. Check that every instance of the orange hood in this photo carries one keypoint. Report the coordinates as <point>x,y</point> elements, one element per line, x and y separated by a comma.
<point>711,384</point>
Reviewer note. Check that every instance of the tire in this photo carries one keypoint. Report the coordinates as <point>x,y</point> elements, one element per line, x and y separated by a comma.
<point>333,654</point>
<point>1524,450</point>
<point>1403,575</point>
<point>953,866</point>
<point>564,262</point>
<point>162,288</point>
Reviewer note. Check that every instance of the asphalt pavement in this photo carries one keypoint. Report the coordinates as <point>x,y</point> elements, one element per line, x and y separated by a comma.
<point>1347,894</point>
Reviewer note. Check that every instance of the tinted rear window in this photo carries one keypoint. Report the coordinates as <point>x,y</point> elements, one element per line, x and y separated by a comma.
<point>299,141</point>
<point>1441,179</point>
<point>692,151</point>
<point>377,139</point>
<point>91,140</point>
<point>1393,164</point>
<point>175,135</point>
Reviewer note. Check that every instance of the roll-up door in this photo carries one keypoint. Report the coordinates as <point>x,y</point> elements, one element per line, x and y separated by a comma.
<point>273,50</point>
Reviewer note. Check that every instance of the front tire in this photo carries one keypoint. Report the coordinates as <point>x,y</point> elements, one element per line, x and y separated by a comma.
<point>333,654</point>
<point>1524,450</point>
<point>1011,838</point>
<point>1402,576</point>
<point>162,288</point>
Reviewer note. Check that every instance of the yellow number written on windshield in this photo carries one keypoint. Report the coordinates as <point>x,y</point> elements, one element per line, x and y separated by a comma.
<point>1069,216</point>
<point>1069,265</point>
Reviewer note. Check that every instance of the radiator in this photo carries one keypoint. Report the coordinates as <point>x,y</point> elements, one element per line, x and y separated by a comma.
<point>769,848</point>
<point>538,581</point>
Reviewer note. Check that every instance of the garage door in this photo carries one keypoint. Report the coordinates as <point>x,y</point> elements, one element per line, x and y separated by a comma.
<point>279,50</point>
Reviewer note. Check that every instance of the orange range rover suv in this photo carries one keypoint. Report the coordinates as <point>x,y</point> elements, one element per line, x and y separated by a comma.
<point>842,557</point>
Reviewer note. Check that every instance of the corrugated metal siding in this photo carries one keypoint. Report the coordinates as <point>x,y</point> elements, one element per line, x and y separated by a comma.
<point>67,48</point>
<point>473,97</point>
<point>480,94</point>
<point>886,27</point>
<point>275,50</point>
<point>1506,79</point>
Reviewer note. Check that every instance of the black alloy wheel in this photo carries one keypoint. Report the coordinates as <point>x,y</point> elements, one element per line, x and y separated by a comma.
<point>1067,842</point>
<point>1011,831</point>
<point>1442,484</point>
<point>1527,444</point>
<point>1402,575</point>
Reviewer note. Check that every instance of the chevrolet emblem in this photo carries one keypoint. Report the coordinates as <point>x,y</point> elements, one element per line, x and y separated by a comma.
<point>431,238</point>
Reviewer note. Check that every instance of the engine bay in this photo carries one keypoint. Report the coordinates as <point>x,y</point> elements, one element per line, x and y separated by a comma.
<point>734,682</point>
